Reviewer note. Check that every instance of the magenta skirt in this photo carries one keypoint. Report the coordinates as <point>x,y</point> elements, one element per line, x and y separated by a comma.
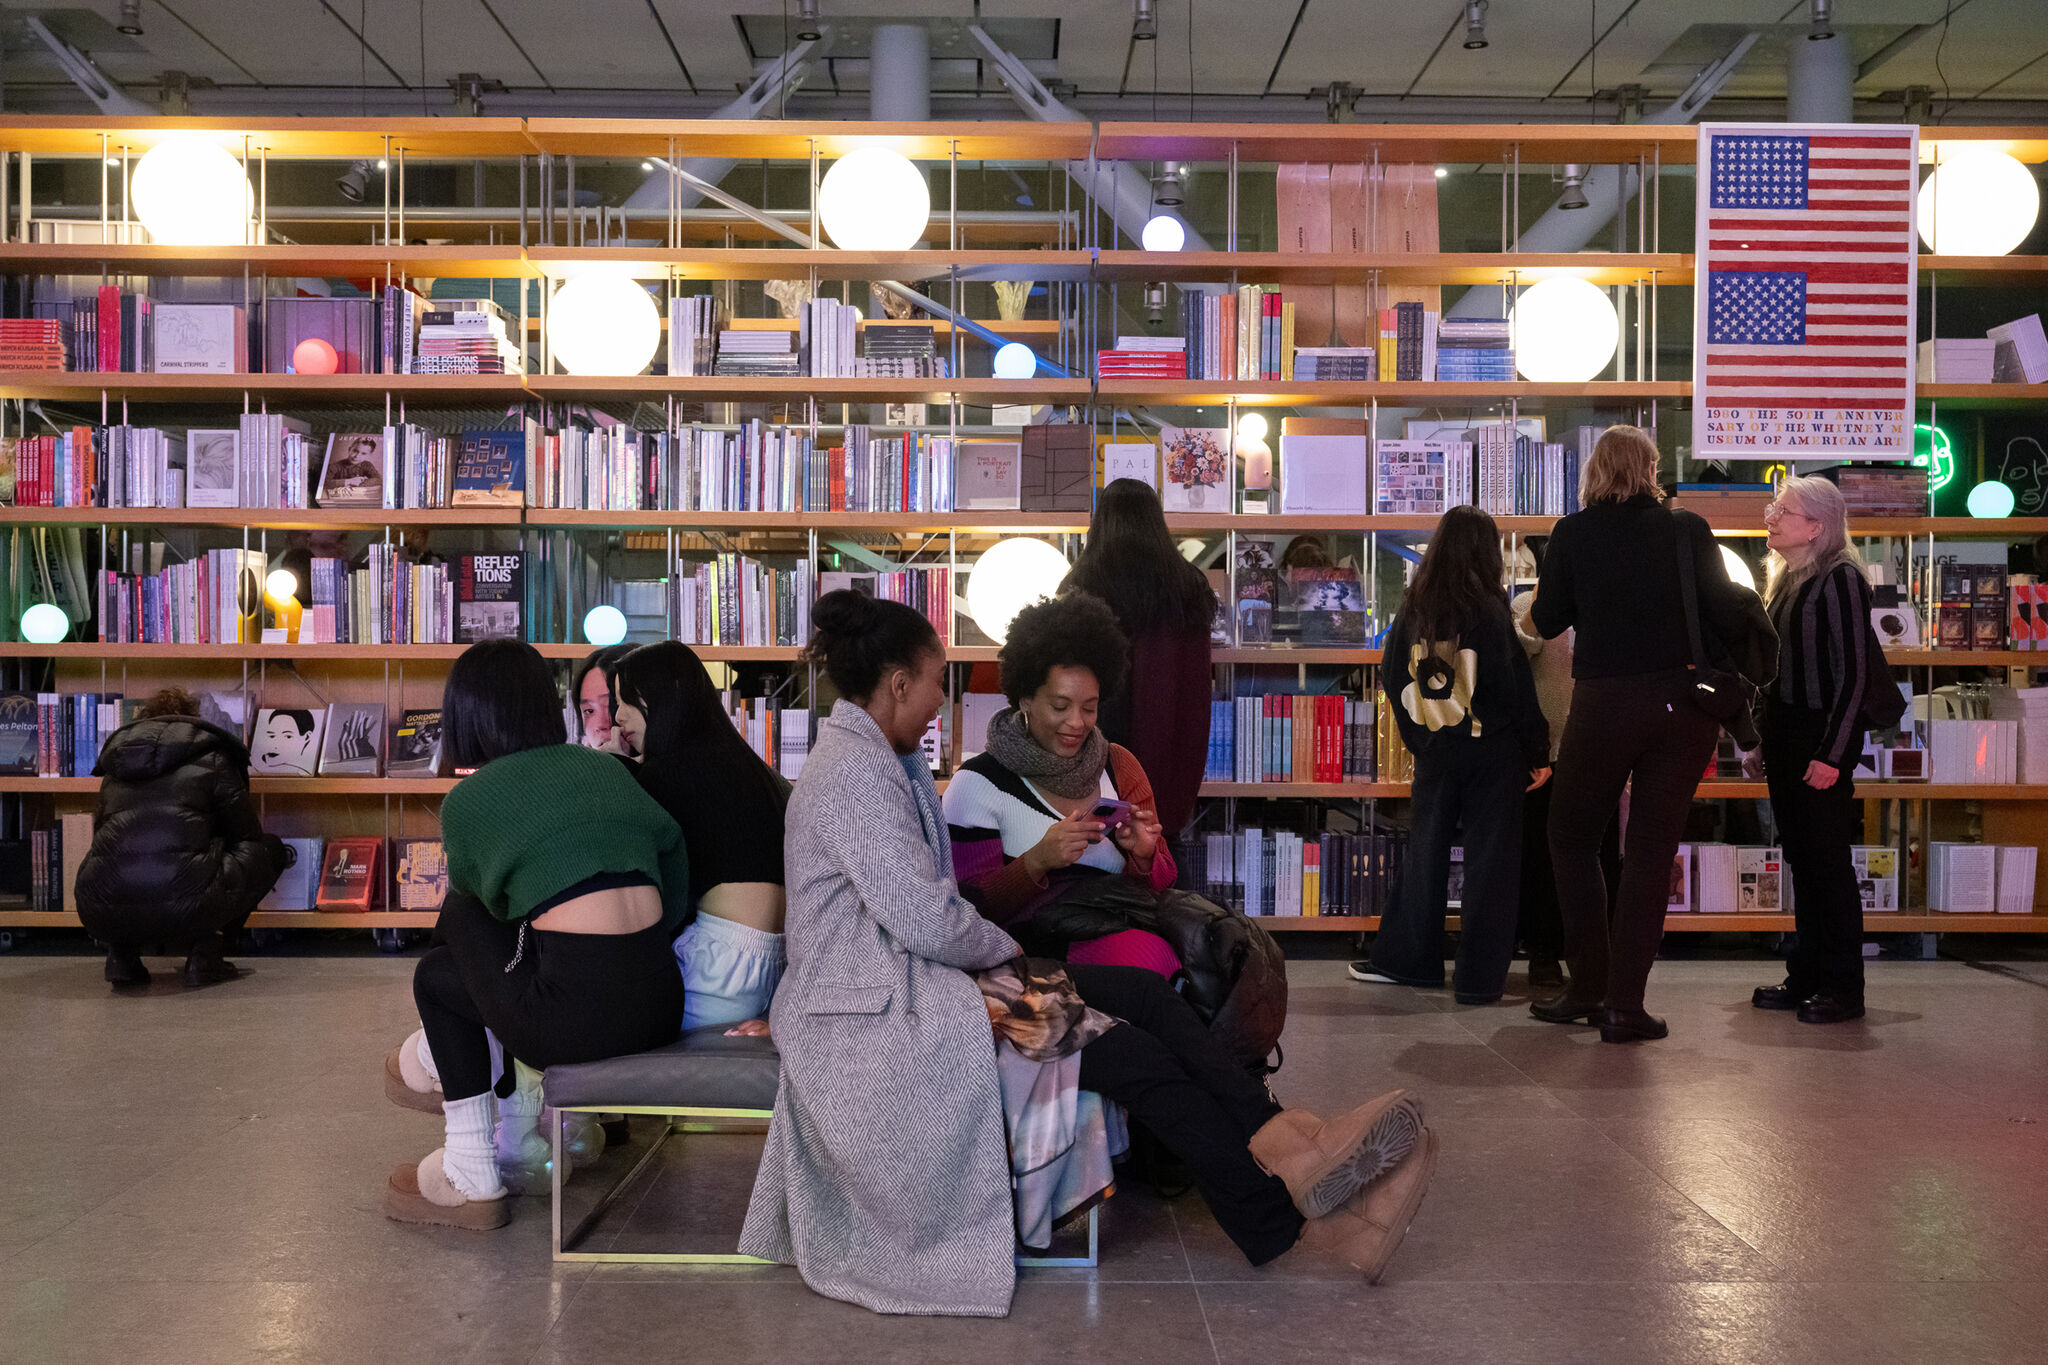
<point>1127,948</point>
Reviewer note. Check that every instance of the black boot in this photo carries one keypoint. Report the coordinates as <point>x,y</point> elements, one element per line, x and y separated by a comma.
<point>1824,1008</point>
<point>1629,1026</point>
<point>125,970</point>
<point>1787,997</point>
<point>1546,974</point>
<point>208,963</point>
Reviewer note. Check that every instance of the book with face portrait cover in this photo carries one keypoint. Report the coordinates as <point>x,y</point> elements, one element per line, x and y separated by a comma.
<point>286,741</point>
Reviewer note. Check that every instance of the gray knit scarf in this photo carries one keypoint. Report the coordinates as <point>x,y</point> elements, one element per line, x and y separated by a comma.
<point>1072,778</point>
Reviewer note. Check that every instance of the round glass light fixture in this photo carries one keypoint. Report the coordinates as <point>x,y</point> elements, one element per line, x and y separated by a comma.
<point>1163,232</point>
<point>1977,203</point>
<point>45,624</point>
<point>1012,575</point>
<point>315,356</point>
<point>1564,331</point>
<point>188,191</point>
<point>603,324</point>
<point>1991,500</point>
<point>604,624</point>
<point>1252,427</point>
<point>281,585</point>
<point>1015,360</point>
<point>1738,568</point>
<point>873,199</point>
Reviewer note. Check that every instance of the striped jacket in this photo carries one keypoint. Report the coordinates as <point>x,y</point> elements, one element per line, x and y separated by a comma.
<point>1823,632</point>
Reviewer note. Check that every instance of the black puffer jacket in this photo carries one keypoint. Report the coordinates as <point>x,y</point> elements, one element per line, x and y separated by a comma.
<point>177,849</point>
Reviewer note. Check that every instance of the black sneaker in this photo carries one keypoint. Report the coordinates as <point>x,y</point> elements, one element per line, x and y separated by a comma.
<point>1777,998</point>
<point>126,972</point>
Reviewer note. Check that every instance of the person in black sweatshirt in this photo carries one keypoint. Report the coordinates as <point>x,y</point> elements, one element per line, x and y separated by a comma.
<point>1463,696</point>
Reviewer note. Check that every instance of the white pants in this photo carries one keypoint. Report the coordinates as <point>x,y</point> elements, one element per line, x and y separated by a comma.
<point>729,971</point>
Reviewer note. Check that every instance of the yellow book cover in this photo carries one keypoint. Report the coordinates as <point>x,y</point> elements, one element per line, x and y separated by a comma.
<point>1286,339</point>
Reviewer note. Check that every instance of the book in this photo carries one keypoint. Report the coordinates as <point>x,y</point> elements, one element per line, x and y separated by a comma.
<point>1877,877</point>
<point>419,874</point>
<point>354,741</point>
<point>2016,865</point>
<point>1130,460</point>
<point>490,469</point>
<point>200,338</point>
<point>1678,897</point>
<point>1328,605</point>
<point>298,886</point>
<point>1325,474</point>
<point>988,476</point>
<point>349,873</point>
<point>286,741</point>
<point>2021,355</point>
<point>1258,590</point>
<point>1056,467</point>
<point>19,730</point>
<point>1759,886</point>
<point>490,592</point>
<point>1716,878</point>
<point>213,464</point>
<point>1197,469</point>
<point>352,475</point>
<point>415,745</point>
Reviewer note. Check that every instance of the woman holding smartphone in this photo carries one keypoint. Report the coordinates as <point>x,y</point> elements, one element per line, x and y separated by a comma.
<point>1051,800</point>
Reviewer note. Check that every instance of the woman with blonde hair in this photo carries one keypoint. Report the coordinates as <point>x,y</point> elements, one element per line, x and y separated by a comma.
<point>1612,572</point>
<point>1812,730</point>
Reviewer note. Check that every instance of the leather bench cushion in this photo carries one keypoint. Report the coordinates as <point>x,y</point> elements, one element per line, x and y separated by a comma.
<point>703,1069</point>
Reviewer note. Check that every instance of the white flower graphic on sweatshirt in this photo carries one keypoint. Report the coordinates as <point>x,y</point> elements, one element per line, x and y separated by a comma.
<point>1441,681</point>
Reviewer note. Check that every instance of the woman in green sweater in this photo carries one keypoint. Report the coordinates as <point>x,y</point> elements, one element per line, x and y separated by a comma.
<point>567,883</point>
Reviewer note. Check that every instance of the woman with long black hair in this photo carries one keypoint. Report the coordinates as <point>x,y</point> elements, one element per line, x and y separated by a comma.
<point>729,804</point>
<point>1165,606</point>
<point>1460,688</point>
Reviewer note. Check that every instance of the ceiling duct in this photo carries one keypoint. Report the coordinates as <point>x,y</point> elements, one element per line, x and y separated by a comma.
<point>900,74</point>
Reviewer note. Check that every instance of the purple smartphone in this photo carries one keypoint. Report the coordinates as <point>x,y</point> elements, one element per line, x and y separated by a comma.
<point>1112,814</point>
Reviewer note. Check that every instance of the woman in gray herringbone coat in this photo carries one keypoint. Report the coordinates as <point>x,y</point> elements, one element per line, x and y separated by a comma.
<point>886,1176</point>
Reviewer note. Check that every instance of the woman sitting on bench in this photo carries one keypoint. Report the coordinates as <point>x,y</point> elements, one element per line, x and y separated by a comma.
<point>885,1177</point>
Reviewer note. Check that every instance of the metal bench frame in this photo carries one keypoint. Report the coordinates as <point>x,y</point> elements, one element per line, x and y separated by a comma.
<point>695,1119</point>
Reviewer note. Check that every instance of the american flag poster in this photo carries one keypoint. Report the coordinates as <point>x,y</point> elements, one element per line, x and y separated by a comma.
<point>1805,292</point>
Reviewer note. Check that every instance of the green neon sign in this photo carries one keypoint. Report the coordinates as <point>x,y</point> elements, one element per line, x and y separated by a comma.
<point>1933,451</point>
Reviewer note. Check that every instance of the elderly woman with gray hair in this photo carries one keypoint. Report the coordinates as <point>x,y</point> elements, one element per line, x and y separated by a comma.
<point>885,1177</point>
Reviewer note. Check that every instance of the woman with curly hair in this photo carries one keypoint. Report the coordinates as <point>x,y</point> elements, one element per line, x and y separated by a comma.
<point>1023,813</point>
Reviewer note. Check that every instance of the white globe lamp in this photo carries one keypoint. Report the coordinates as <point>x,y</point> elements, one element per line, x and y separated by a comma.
<point>189,191</point>
<point>1564,331</point>
<point>1012,575</point>
<point>45,624</point>
<point>1978,203</point>
<point>1252,427</point>
<point>603,324</point>
<point>604,624</point>
<point>873,199</point>
<point>1988,501</point>
<point>1163,232</point>
<point>1015,360</point>
<point>1738,568</point>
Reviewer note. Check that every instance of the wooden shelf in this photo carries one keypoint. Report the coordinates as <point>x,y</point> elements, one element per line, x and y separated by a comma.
<point>1477,143</point>
<point>748,140</point>
<point>1405,268</point>
<point>1900,922</point>
<point>273,388</point>
<point>794,262</point>
<point>80,135</point>
<point>259,785</point>
<point>264,519</point>
<point>793,391</point>
<point>472,261</point>
<point>1293,393</point>
<point>1279,791</point>
<point>261,919</point>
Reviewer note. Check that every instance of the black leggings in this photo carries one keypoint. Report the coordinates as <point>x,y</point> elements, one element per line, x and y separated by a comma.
<point>1160,1064</point>
<point>1816,829</point>
<point>570,998</point>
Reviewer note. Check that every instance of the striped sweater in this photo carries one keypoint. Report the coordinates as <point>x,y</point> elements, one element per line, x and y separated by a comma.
<point>1823,630</point>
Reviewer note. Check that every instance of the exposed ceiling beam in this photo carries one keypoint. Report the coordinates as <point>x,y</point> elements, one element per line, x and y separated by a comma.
<point>673,51</point>
<point>1457,22</point>
<point>357,34</point>
<point>1592,48</point>
<point>514,40</point>
<point>225,54</point>
<point>1292,29</point>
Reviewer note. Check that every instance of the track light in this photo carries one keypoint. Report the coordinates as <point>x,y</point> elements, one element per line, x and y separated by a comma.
<point>354,182</point>
<point>131,18</point>
<point>1574,188</point>
<point>1821,26</point>
<point>1475,24</point>
<point>1145,20</point>
<point>807,29</point>
<point>1167,192</point>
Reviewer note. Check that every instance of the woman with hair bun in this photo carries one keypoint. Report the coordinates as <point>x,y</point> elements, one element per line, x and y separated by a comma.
<point>886,1175</point>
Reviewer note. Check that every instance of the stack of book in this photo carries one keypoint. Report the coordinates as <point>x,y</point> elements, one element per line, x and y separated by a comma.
<point>929,590</point>
<point>2021,356</point>
<point>466,336</point>
<point>211,598</point>
<point>1408,343</point>
<point>70,727</point>
<point>1144,358</point>
<point>1726,504</point>
<point>2028,706</point>
<point>731,599</point>
<point>693,325</point>
<point>1248,334</point>
<point>1981,879</point>
<point>1336,364</point>
<point>1277,872</point>
<point>33,343</point>
<point>763,355</point>
<point>780,735</point>
<point>905,472</point>
<point>1289,738</point>
<point>1516,475</point>
<point>1973,752</point>
<point>349,325</point>
<point>828,337</point>
<point>1976,608</point>
<point>1475,350</point>
<point>55,852</point>
<point>1957,360</point>
<point>1881,490</point>
<point>398,328</point>
<point>1425,478</point>
<point>899,350</point>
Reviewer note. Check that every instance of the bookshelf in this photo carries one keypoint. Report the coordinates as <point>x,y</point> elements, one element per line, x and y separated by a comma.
<point>1078,258</point>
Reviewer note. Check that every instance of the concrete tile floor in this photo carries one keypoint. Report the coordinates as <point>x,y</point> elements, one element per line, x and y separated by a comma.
<point>193,1176</point>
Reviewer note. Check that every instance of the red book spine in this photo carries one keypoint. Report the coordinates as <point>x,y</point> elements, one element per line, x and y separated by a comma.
<point>109,328</point>
<point>903,484</point>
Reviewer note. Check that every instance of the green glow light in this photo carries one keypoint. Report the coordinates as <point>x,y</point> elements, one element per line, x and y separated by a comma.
<point>1935,452</point>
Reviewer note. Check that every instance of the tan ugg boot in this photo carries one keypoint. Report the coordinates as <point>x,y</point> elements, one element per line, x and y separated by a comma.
<point>1325,1163</point>
<point>1368,1229</point>
<point>424,1194</point>
<point>407,1083</point>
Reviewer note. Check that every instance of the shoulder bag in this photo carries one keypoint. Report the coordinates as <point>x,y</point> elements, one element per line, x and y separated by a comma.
<point>1721,693</point>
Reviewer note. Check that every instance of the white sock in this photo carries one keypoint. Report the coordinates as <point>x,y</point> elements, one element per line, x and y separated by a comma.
<point>467,1157</point>
<point>519,1113</point>
<point>426,1054</point>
